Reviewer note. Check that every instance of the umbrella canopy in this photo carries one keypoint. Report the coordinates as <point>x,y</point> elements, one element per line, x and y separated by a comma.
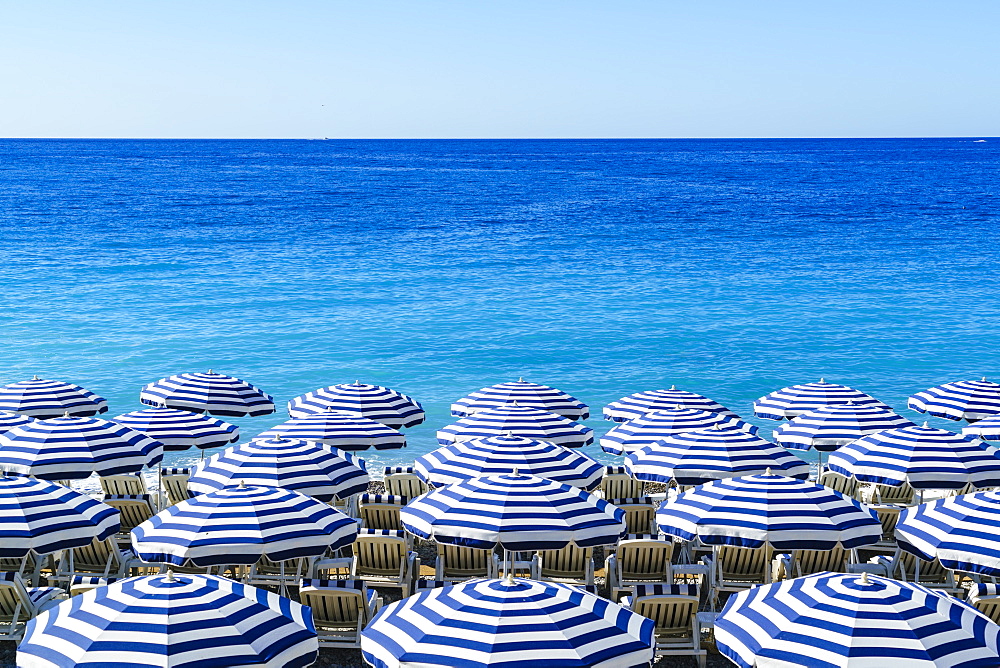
<point>516,512</point>
<point>522,393</point>
<point>638,404</point>
<point>832,620</point>
<point>507,454</point>
<point>309,468</point>
<point>339,429</point>
<point>180,430</point>
<point>239,525</point>
<point>515,624</point>
<point>520,421</point>
<point>987,429</point>
<point>39,398</point>
<point>391,408</point>
<point>9,420</point>
<point>210,392</point>
<point>962,400</point>
<point>789,402</point>
<point>71,448</point>
<point>167,621</point>
<point>923,457</point>
<point>46,517</point>
<point>697,457</point>
<point>785,513</point>
<point>830,427</point>
<point>963,532</point>
<point>636,434</point>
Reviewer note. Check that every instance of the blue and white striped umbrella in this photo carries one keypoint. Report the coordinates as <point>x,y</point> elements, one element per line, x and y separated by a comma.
<point>46,517</point>
<point>830,427</point>
<point>522,393</point>
<point>514,624</point>
<point>391,408</point>
<point>963,532</point>
<point>179,430</point>
<point>169,621</point>
<point>636,405</point>
<point>987,429</point>
<point>923,457</point>
<point>71,448</point>
<point>504,455</point>
<point>697,457</point>
<point>239,525</point>
<point>789,402</point>
<point>39,398</point>
<point>785,513</point>
<point>210,392</point>
<point>516,512</point>
<point>962,400</point>
<point>636,434</point>
<point>338,429</point>
<point>9,420</point>
<point>520,421</point>
<point>309,468</point>
<point>833,620</point>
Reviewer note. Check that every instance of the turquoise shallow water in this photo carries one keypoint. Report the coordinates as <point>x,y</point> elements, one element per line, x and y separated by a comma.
<point>726,267</point>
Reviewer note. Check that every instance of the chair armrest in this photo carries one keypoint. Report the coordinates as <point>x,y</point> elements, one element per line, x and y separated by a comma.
<point>536,566</point>
<point>439,567</point>
<point>611,572</point>
<point>873,569</point>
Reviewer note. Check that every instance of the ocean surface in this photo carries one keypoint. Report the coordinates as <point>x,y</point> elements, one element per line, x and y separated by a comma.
<point>603,267</point>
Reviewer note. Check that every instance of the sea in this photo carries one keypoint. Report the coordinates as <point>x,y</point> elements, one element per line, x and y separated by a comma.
<point>727,267</point>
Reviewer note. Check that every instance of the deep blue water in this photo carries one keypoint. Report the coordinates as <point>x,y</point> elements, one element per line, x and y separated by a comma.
<point>726,267</point>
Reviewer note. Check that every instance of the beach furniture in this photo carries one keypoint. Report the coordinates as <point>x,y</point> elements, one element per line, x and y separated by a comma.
<point>618,484</point>
<point>402,481</point>
<point>557,625</point>
<point>517,421</point>
<point>455,563</point>
<point>505,454</point>
<point>81,584</point>
<point>44,399</point>
<point>374,402</point>
<point>101,558</point>
<point>380,511</point>
<point>201,619</point>
<point>210,392</point>
<point>20,603</point>
<point>806,562</point>
<point>431,584</point>
<point>638,404</point>
<point>522,393</point>
<point>277,574</point>
<point>133,510</point>
<point>969,400</point>
<point>848,486</point>
<point>792,401</point>
<point>908,567</point>
<point>640,513</point>
<point>174,483</point>
<point>127,484</point>
<point>340,609</point>
<point>639,559</point>
<point>570,564</point>
<point>628,437</point>
<point>308,468</point>
<point>733,569</point>
<point>985,597</point>
<point>383,558</point>
<point>674,611</point>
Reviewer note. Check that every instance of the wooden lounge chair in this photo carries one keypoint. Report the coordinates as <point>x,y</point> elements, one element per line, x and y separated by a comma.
<point>133,510</point>
<point>402,481</point>
<point>174,482</point>
<point>341,609</point>
<point>640,513</point>
<point>900,495</point>
<point>28,567</point>
<point>639,559</point>
<point>986,599</point>
<point>799,563</point>
<point>932,574</point>
<point>888,515</point>
<point>617,484</point>
<point>570,565</point>
<point>431,584</point>
<point>848,486</point>
<point>280,574</point>
<point>130,484</point>
<point>380,511</point>
<point>84,583</point>
<point>674,610</point>
<point>738,568</point>
<point>101,558</point>
<point>383,558</point>
<point>20,603</point>
<point>455,563</point>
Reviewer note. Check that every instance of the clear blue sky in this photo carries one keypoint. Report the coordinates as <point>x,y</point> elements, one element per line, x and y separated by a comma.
<point>474,68</point>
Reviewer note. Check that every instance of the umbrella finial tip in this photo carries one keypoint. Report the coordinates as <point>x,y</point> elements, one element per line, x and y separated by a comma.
<point>35,377</point>
<point>822,380</point>
<point>983,380</point>
<point>673,387</point>
<point>357,381</point>
<point>864,578</point>
<point>243,484</point>
<point>768,471</point>
<point>520,379</point>
<point>517,471</point>
<point>210,371</point>
<point>170,575</point>
<point>926,425</point>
